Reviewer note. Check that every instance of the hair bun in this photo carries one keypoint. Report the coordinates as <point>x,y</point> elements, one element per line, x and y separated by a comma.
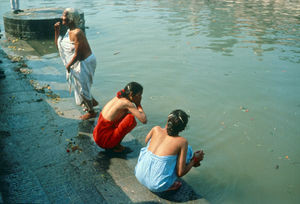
<point>177,121</point>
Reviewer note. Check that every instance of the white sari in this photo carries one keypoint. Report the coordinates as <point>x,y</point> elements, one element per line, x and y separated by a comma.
<point>81,72</point>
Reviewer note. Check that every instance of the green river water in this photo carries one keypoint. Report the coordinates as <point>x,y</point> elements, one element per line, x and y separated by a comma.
<point>234,66</point>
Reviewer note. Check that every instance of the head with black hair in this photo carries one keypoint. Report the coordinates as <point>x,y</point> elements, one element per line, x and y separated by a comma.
<point>177,121</point>
<point>131,91</point>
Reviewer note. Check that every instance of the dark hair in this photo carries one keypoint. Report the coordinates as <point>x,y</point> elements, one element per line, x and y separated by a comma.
<point>132,87</point>
<point>177,121</point>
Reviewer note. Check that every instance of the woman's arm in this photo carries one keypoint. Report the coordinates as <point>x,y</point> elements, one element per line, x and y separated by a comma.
<point>56,31</point>
<point>138,112</point>
<point>77,37</point>
<point>182,167</point>
<point>148,137</point>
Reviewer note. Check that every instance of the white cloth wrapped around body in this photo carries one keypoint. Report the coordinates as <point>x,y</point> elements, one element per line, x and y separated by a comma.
<point>81,72</point>
<point>158,173</point>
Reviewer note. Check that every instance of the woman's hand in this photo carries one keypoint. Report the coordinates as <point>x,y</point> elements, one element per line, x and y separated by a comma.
<point>68,68</point>
<point>57,27</point>
<point>56,32</point>
<point>137,100</point>
<point>198,156</point>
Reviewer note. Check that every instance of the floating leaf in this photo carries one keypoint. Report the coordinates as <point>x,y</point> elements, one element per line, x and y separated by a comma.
<point>244,109</point>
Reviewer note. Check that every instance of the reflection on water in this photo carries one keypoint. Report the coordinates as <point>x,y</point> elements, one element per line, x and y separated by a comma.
<point>259,25</point>
<point>262,26</point>
<point>43,47</point>
<point>232,65</point>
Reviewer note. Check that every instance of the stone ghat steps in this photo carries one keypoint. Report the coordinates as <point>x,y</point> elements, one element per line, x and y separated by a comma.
<point>50,157</point>
<point>35,165</point>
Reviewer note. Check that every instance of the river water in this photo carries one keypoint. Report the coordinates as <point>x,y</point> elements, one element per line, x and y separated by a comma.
<point>234,66</point>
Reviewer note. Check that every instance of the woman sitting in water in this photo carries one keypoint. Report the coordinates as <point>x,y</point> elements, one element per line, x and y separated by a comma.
<point>118,117</point>
<point>167,156</point>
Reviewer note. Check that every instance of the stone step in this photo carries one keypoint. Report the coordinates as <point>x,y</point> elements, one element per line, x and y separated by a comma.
<point>22,187</point>
<point>52,158</point>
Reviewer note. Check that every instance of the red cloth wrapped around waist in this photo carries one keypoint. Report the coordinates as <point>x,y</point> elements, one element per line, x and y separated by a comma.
<point>107,134</point>
<point>103,131</point>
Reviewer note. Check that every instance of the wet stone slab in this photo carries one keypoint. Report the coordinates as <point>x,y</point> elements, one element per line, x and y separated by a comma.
<point>56,155</point>
<point>25,187</point>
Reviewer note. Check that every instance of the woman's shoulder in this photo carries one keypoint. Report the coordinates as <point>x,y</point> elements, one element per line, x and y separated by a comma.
<point>123,101</point>
<point>158,129</point>
<point>76,33</point>
<point>181,140</point>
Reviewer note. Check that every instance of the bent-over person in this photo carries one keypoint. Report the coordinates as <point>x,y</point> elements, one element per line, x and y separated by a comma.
<point>167,155</point>
<point>118,117</point>
<point>78,59</point>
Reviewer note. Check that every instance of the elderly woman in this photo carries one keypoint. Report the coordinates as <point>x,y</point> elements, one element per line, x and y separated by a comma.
<point>78,59</point>
<point>167,155</point>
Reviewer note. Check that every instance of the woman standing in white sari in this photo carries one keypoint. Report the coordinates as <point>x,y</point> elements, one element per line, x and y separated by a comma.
<point>78,59</point>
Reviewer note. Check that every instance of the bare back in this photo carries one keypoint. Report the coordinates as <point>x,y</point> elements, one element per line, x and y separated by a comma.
<point>117,108</point>
<point>81,44</point>
<point>162,144</point>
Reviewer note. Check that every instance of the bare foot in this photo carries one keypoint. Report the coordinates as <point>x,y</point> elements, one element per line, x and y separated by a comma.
<point>88,116</point>
<point>95,103</point>
<point>118,149</point>
<point>176,185</point>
